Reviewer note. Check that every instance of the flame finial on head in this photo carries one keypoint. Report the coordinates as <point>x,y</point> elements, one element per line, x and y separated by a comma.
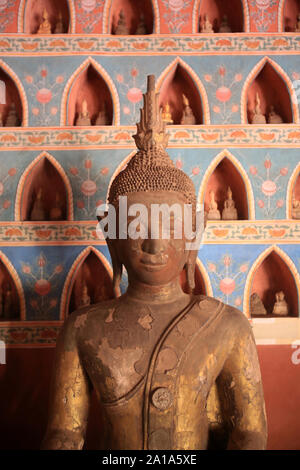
<point>151,130</point>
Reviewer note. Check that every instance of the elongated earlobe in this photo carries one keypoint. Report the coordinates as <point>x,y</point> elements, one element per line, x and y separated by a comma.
<point>116,264</point>
<point>190,267</point>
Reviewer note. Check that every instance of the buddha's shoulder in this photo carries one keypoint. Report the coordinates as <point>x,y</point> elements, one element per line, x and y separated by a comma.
<point>226,314</point>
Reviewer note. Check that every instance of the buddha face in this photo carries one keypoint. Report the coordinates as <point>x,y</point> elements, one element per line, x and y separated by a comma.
<point>154,261</point>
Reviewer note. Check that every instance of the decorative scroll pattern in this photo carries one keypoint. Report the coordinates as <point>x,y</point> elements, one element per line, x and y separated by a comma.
<point>83,233</point>
<point>187,44</point>
<point>108,136</point>
<point>27,334</point>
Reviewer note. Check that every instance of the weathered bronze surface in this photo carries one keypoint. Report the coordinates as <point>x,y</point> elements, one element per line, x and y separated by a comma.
<point>171,370</point>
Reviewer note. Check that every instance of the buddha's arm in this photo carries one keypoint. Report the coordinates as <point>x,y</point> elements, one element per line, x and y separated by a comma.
<point>70,396</point>
<point>242,396</point>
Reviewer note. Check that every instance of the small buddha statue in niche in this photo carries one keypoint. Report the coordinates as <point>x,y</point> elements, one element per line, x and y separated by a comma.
<point>12,119</point>
<point>102,119</point>
<point>224,27</point>
<point>258,117</point>
<point>280,307</point>
<point>38,209</point>
<point>85,298</point>
<point>1,119</point>
<point>206,26</point>
<point>8,304</point>
<point>229,211</point>
<point>121,28</point>
<point>45,26</point>
<point>59,27</point>
<point>84,116</point>
<point>213,211</point>
<point>166,114</point>
<point>273,117</point>
<point>188,117</point>
<point>297,28</point>
<point>295,209</point>
<point>141,29</point>
<point>56,211</point>
<point>149,352</point>
<point>256,305</point>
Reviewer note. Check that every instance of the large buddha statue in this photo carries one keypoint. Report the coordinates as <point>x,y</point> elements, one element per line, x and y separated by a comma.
<point>171,370</point>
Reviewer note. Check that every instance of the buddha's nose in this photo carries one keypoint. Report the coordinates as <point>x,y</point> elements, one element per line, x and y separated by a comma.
<point>154,246</point>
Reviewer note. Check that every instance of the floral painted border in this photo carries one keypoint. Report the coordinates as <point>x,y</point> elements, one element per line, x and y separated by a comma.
<point>156,43</point>
<point>109,136</point>
<point>84,233</point>
<point>29,334</point>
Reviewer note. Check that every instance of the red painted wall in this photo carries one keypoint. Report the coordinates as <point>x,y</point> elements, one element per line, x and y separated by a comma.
<point>24,388</point>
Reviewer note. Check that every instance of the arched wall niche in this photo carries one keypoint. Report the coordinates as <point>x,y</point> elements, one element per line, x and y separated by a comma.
<point>224,171</point>
<point>14,301</point>
<point>236,11</point>
<point>14,95</point>
<point>202,281</point>
<point>274,87</point>
<point>273,272</point>
<point>132,9</point>
<point>92,269</point>
<point>41,176</point>
<point>288,12</point>
<point>92,83</point>
<point>178,79</point>
<point>31,15</point>
<point>293,191</point>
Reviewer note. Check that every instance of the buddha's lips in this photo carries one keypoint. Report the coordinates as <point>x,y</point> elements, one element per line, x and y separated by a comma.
<point>154,260</point>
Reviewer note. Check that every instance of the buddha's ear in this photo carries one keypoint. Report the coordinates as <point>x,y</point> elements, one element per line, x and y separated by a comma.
<point>193,249</point>
<point>116,264</point>
<point>190,267</point>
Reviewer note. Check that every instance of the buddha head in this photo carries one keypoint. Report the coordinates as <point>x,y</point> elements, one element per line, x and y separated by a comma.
<point>151,180</point>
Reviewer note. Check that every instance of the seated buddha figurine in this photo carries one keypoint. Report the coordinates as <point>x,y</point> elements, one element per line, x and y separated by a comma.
<point>84,116</point>
<point>224,26</point>
<point>229,211</point>
<point>12,119</point>
<point>1,119</point>
<point>213,212</point>
<point>206,26</point>
<point>273,117</point>
<point>171,370</point>
<point>38,209</point>
<point>258,117</point>
<point>59,27</point>
<point>295,209</point>
<point>188,117</point>
<point>45,26</point>
<point>121,28</point>
<point>166,114</point>
<point>85,298</point>
<point>141,28</point>
<point>280,307</point>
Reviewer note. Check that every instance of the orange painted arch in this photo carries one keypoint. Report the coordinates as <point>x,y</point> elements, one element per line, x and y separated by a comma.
<point>17,282</point>
<point>248,284</point>
<point>106,22</point>
<point>68,286</point>
<point>20,89</point>
<point>226,154</point>
<point>290,190</point>
<point>198,83</point>
<point>22,11</point>
<point>253,74</point>
<point>196,12</point>
<point>22,181</point>
<point>106,77</point>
